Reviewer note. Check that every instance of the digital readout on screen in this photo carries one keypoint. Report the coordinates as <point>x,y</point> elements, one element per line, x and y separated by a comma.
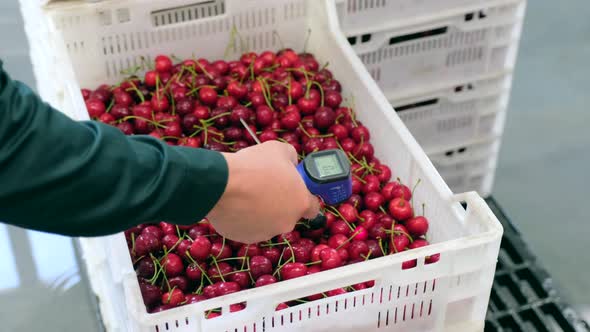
<point>328,165</point>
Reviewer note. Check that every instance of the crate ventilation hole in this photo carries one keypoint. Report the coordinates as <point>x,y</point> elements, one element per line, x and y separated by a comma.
<point>136,42</point>
<point>426,41</point>
<point>353,6</point>
<point>399,314</point>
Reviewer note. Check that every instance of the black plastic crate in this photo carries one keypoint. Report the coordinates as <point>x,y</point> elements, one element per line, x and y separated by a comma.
<point>523,296</point>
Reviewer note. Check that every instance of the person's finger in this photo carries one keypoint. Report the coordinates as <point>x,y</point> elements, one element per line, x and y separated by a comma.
<point>291,153</point>
<point>313,207</point>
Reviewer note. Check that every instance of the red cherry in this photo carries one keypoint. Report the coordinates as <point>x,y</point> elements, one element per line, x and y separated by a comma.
<point>174,298</point>
<point>340,227</point>
<point>194,272</point>
<point>418,243</point>
<point>167,228</point>
<point>293,270</point>
<point>330,259</point>
<point>272,253</point>
<point>361,233</point>
<point>210,291</point>
<point>402,191</point>
<point>307,105</point>
<point>264,115</point>
<point>360,134</point>
<point>237,90</point>
<point>336,292</point>
<point>365,150</point>
<point>400,242</point>
<point>409,264</point>
<point>373,200</point>
<point>348,212</point>
<point>160,102</point>
<point>290,120</point>
<point>432,259</point>
<point>357,185</point>
<point>107,118</point>
<point>367,219</point>
<point>227,102</point>
<point>339,131</point>
<point>332,98</point>
<point>324,117</point>
<point>400,209</point>
<point>417,226</point>
<point>378,232</point>
<point>172,265</point>
<point>95,108</point>
<point>220,250</point>
<point>151,78</point>
<point>248,250</point>
<point>338,241</point>
<point>260,265</point>
<point>146,243</point>
<point>241,278</point>
<point>221,269</point>
<point>170,240</point>
<point>265,280</point>
<point>290,237</point>
<point>348,144</point>
<point>387,221</point>
<point>358,249</point>
<point>315,252</point>
<point>370,187</point>
<point>180,282</point>
<point>182,248</point>
<point>227,287</point>
<point>384,173</point>
<point>388,189</point>
<point>201,248</point>
<point>163,63</point>
<point>208,96</point>
<point>173,129</point>
<point>374,248</point>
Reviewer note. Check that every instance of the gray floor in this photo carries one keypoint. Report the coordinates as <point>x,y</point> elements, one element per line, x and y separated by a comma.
<point>541,181</point>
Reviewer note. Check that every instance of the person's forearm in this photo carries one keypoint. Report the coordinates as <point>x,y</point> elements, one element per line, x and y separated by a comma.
<point>87,178</point>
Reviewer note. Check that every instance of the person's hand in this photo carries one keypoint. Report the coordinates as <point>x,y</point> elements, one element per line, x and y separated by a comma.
<point>265,195</point>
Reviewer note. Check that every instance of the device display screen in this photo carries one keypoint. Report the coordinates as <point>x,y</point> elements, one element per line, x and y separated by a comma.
<point>328,165</point>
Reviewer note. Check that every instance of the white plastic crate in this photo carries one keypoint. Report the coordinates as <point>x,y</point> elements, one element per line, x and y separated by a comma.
<point>91,43</point>
<point>445,50</point>
<point>466,112</point>
<point>470,167</point>
<point>360,16</point>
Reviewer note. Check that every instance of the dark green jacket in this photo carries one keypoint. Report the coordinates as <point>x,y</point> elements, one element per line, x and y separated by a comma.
<point>88,179</point>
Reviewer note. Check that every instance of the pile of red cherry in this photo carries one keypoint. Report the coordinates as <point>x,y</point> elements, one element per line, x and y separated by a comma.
<point>282,96</point>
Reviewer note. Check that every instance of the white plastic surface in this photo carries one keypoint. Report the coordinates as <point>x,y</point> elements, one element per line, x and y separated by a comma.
<point>360,16</point>
<point>92,43</point>
<point>445,50</point>
<point>469,111</point>
<point>469,167</point>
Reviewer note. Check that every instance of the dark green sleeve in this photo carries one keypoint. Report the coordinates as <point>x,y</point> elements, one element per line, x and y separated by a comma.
<point>88,179</point>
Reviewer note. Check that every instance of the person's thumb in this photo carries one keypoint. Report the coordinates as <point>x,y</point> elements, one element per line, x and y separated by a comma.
<point>313,207</point>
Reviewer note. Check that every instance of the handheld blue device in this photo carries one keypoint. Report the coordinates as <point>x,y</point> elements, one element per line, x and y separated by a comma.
<point>327,174</point>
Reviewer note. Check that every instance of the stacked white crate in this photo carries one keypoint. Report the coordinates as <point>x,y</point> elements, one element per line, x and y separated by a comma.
<point>446,67</point>
<point>468,240</point>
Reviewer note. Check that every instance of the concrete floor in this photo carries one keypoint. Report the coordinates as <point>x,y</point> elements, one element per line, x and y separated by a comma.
<point>541,180</point>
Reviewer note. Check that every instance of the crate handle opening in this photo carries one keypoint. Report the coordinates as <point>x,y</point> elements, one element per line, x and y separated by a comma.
<point>416,105</point>
<point>418,35</point>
